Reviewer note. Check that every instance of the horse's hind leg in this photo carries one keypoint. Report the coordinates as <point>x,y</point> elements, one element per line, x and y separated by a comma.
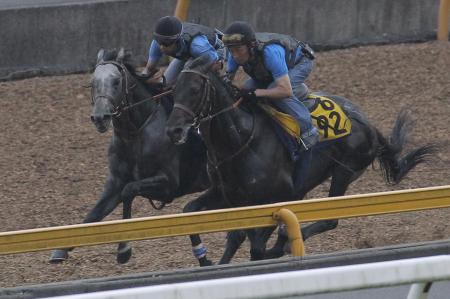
<point>277,249</point>
<point>341,179</point>
<point>108,201</point>
<point>258,241</point>
<point>234,241</point>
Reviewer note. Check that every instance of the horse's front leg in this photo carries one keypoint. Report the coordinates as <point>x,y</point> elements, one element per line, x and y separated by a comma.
<point>124,250</point>
<point>107,202</point>
<point>204,201</point>
<point>157,187</point>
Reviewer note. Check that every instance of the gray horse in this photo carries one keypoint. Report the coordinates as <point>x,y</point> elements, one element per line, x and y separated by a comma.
<point>142,159</point>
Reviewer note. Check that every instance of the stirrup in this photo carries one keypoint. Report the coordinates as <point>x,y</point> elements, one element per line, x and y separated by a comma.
<point>309,139</point>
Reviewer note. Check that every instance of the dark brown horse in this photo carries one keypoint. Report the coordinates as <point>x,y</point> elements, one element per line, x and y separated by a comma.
<point>249,166</point>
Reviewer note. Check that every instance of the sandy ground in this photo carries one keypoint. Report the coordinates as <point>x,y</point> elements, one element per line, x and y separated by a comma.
<point>53,163</point>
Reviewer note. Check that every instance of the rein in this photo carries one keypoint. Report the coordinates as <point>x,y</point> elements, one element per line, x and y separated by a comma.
<point>199,119</point>
<point>159,95</point>
<point>125,104</point>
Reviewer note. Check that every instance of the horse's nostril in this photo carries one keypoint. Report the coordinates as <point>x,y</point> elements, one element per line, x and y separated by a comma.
<point>92,118</point>
<point>174,133</point>
<point>178,131</point>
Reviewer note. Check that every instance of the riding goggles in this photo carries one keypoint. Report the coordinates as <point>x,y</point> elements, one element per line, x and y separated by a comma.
<point>165,40</point>
<point>233,40</point>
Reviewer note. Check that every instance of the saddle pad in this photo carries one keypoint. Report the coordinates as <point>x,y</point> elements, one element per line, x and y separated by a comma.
<point>287,122</point>
<point>328,117</point>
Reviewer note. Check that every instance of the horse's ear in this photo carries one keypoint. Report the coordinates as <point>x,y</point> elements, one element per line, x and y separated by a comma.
<point>100,54</point>
<point>120,55</point>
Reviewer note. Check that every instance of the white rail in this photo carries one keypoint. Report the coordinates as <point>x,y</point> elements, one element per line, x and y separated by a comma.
<point>288,284</point>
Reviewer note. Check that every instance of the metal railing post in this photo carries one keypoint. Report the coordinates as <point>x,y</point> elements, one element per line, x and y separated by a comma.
<point>293,230</point>
<point>444,8</point>
<point>181,10</point>
<point>419,290</point>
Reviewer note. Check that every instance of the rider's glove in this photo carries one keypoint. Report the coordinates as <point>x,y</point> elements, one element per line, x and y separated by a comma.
<point>248,94</point>
<point>147,75</point>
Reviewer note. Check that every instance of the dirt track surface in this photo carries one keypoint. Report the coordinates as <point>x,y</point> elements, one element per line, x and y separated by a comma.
<point>53,163</point>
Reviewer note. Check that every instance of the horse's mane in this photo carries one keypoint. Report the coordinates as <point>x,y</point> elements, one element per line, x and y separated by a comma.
<point>131,64</point>
<point>128,60</point>
<point>202,65</point>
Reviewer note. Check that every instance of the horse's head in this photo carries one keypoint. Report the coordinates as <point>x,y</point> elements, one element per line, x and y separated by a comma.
<point>110,86</point>
<point>191,97</point>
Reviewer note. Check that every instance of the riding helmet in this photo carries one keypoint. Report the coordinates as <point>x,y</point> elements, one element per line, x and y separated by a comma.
<point>167,30</point>
<point>239,33</point>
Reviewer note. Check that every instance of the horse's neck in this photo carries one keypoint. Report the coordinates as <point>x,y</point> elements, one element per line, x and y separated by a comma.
<point>228,131</point>
<point>136,116</point>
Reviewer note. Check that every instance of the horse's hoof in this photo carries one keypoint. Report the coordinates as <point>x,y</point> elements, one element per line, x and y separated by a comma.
<point>287,248</point>
<point>59,256</point>
<point>274,253</point>
<point>206,263</point>
<point>282,231</point>
<point>124,256</point>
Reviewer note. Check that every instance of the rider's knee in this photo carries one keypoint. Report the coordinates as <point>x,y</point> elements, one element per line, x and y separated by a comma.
<point>300,91</point>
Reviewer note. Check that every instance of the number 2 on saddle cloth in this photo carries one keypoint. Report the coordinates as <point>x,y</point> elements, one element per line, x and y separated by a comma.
<point>327,116</point>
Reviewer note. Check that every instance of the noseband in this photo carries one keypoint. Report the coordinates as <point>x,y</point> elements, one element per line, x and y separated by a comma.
<point>199,116</point>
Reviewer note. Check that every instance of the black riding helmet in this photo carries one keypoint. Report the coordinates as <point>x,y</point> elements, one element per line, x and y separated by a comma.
<point>238,34</point>
<point>167,30</point>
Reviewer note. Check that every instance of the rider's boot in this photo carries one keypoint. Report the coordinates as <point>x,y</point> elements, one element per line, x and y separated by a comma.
<point>309,139</point>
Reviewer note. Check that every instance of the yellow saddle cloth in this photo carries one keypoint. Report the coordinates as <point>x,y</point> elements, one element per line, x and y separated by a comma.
<point>327,116</point>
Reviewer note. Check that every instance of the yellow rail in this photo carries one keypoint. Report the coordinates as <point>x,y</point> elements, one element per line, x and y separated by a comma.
<point>222,220</point>
<point>444,8</point>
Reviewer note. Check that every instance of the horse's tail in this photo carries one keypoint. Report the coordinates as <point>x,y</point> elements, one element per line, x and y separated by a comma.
<point>394,167</point>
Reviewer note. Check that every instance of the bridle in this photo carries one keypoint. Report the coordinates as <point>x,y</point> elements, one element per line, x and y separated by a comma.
<point>124,103</point>
<point>203,114</point>
<point>205,106</point>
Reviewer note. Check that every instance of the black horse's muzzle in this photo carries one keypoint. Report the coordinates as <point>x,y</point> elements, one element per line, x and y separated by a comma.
<point>178,134</point>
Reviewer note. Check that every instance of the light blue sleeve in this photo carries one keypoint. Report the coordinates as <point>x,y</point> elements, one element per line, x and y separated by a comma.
<point>154,53</point>
<point>232,65</point>
<point>201,46</point>
<point>275,60</point>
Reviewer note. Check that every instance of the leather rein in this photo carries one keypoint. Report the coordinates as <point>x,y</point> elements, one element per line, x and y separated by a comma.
<point>125,105</point>
<point>201,117</point>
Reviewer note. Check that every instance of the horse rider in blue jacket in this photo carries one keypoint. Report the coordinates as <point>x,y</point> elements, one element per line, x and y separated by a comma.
<point>181,41</point>
<point>278,66</point>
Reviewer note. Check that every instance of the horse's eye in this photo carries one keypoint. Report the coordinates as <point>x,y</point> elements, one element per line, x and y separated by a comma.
<point>195,90</point>
<point>116,82</point>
